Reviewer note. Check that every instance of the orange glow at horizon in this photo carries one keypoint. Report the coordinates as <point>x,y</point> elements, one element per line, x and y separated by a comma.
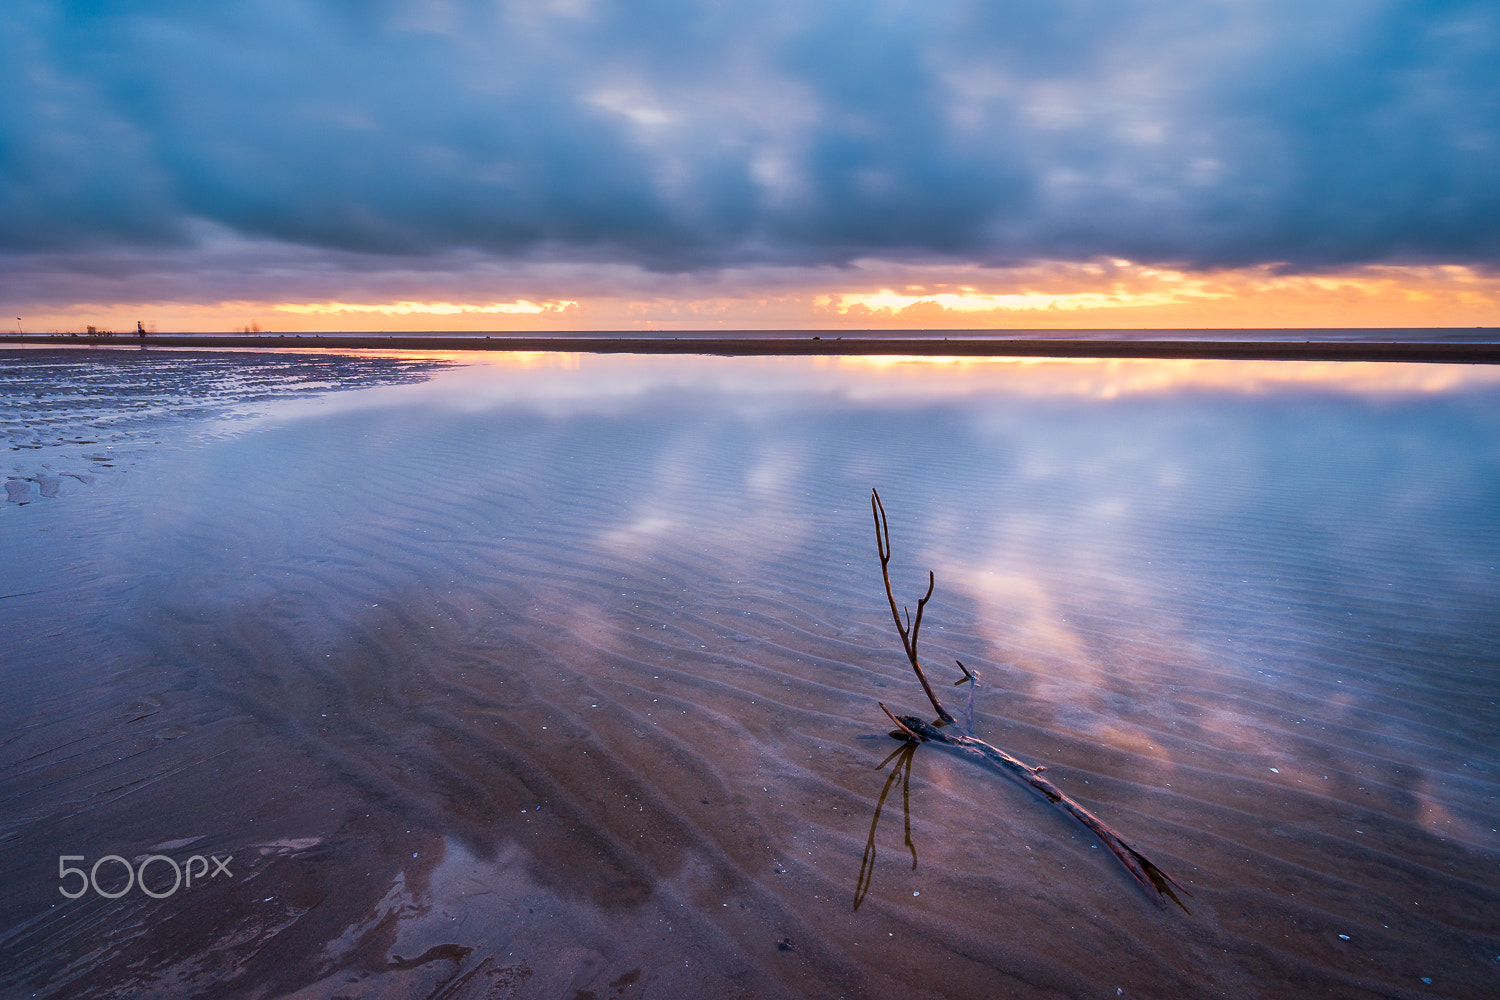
<point>1113,294</point>
<point>522,307</point>
<point>1120,295</point>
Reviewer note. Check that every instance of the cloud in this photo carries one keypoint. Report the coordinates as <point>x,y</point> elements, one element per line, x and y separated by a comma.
<point>228,284</point>
<point>323,138</point>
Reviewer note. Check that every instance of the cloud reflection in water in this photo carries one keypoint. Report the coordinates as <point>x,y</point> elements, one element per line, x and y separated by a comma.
<point>1173,576</point>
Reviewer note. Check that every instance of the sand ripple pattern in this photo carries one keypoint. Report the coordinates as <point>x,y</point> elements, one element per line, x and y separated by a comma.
<point>70,417</point>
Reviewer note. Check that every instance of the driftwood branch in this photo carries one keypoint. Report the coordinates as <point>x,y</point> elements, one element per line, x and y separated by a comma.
<point>908,635</point>
<point>1157,883</point>
<point>905,732</point>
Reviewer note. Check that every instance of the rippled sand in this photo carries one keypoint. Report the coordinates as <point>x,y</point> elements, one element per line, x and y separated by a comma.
<point>557,677</point>
<point>69,415</point>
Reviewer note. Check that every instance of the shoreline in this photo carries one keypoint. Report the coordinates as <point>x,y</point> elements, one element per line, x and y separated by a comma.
<point>818,345</point>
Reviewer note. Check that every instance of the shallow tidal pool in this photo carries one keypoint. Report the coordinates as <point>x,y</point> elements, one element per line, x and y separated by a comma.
<point>556,676</point>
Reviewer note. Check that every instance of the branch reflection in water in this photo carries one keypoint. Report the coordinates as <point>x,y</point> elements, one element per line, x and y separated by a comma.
<point>902,755</point>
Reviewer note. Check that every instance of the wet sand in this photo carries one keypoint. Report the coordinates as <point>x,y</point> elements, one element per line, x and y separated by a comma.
<point>560,681</point>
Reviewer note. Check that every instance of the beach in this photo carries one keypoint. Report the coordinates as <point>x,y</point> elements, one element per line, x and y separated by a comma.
<point>555,674</point>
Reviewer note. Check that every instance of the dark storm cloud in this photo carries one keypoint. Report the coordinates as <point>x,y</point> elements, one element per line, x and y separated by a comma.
<point>682,135</point>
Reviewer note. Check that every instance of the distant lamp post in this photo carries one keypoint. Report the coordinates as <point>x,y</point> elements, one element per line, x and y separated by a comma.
<point>18,326</point>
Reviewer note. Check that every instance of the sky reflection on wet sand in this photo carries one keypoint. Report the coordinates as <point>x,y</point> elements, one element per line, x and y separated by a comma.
<point>606,635</point>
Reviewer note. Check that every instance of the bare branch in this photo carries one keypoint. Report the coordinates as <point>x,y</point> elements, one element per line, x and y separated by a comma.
<point>1157,883</point>
<point>900,725</point>
<point>908,635</point>
<point>931,583</point>
<point>883,549</point>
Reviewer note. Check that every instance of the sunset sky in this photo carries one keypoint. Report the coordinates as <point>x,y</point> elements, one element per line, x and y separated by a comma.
<point>595,165</point>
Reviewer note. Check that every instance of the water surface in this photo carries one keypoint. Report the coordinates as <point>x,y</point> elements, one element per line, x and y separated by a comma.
<point>556,676</point>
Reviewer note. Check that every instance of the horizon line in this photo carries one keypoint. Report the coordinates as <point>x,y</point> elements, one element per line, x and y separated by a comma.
<point>813,343</point>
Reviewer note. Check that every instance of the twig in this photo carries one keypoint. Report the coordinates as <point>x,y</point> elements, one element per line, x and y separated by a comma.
<point>914,738</point>
<point>908,636</point>
<point>970,678</point>
<point>1157,883</point>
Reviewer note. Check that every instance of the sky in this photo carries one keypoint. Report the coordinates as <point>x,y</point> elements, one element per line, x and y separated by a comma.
<point>595,165</point>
